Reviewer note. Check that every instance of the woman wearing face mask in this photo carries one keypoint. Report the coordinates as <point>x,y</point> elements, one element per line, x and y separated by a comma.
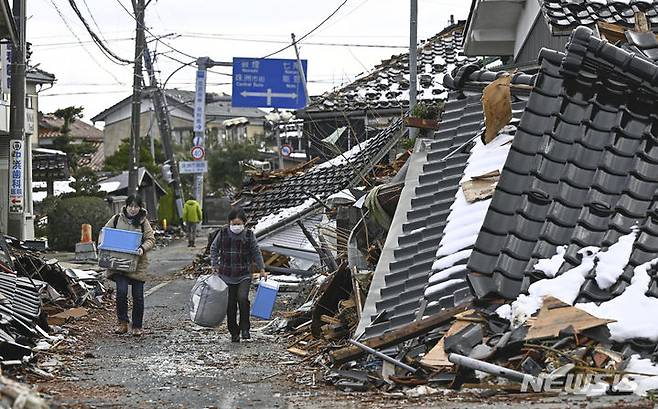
<point>132,217</point>
<point>231,255</point>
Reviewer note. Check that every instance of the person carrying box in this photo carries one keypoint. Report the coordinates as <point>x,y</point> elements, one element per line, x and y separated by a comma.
<point>231,255</point>
<point>192,216</point>
<point>132,217</point>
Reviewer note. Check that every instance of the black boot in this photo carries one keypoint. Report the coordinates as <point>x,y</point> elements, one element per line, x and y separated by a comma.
<point>245,334</point>
<point>235,338</point>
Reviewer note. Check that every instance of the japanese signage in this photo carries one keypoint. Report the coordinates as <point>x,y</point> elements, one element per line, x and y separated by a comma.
<point>200,101</point>
<point>5,70</point>
<point>196,166</point>
<point>270,82</point>
<point>16,169</point>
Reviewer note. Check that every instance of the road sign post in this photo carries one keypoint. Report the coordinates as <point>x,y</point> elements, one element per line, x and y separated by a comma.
<point>268,83</point>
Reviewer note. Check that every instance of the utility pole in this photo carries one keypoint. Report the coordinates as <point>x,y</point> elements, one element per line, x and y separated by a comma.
<point>300,70</point>
<point>164,126</point>
<point>133,162</point>
<point>203,63</point>
<point>413,57</point>
<point>16,203</point>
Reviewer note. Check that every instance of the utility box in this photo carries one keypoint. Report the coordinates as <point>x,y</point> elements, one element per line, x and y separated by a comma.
<point>118,249</point>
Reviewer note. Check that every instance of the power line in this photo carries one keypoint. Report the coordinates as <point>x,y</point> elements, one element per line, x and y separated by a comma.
<point>68,26</point>
<point>256,40</point>
<point>94,20</point>
<point>82,42</point>
<point>307,34</point>
<point>154,36</point>
<point>103,47</point>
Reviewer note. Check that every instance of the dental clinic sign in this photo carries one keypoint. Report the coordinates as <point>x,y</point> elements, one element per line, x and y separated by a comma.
<point>16,176</point>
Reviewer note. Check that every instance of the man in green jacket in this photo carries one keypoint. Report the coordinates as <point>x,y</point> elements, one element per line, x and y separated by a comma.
<point>191,217</point>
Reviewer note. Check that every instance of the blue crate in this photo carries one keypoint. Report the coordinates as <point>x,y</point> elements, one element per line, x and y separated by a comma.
<point>123,241</point>
<point>265,298</point>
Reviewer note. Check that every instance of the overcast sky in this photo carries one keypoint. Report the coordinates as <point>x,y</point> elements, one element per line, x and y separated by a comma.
<point>221,30</point>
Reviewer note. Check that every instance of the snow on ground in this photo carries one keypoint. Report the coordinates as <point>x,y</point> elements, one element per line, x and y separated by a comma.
<point>639,384</point>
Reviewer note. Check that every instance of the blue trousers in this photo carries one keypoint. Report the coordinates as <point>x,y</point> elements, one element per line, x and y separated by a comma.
<point>122,283</point>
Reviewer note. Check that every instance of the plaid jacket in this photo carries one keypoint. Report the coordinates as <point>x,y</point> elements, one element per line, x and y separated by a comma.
<point>233,254</point>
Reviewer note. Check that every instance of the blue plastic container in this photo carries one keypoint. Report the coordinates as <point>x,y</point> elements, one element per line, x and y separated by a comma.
<point>265,298</point>
<point>123,241</point>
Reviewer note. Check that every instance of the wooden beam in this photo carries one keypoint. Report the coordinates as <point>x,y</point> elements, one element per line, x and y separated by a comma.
<point>398,335</point>
<point>641,22</point>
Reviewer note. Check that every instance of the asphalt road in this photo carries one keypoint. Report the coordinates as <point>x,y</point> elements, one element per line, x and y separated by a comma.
<point>177,364</point>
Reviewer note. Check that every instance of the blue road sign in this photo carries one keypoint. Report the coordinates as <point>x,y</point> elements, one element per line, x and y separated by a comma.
<point>267,83</point>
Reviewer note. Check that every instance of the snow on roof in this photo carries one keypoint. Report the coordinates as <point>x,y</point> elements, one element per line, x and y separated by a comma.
<point>60,187</point>
<point>283,214</point>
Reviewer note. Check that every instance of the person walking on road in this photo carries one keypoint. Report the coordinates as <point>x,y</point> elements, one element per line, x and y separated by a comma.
<point>192,216</point>
<point>132,217</point>
<point>232,252</point>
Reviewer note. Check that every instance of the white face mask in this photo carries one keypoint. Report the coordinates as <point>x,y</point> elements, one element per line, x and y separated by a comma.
<point>237,228</point>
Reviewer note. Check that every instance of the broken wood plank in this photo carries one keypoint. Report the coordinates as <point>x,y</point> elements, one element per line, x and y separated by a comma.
<point>641,23</point>
<point>297,351</point>
<point>330,320</point>
<point>398,335</point>
<point>556,316</point>
<point>437,357</point>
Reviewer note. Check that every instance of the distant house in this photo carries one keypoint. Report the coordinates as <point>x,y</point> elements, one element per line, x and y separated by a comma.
<point>247,122</point>
<point>148,187</point>
<point>81,131</point>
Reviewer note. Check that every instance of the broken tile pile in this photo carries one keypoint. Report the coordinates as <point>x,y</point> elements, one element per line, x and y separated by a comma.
<point>557,256</point>
<point>36,293</point>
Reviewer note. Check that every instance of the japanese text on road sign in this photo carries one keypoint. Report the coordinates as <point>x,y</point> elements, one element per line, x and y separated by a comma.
<point>270,82</point>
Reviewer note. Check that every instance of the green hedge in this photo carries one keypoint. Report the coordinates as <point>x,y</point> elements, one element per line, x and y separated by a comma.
<point>66,219</point>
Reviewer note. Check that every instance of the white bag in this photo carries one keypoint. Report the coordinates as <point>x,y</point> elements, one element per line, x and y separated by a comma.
<point>208,301</point>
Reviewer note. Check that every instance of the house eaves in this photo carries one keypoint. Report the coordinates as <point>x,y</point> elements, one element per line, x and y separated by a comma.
<point>499,27</point>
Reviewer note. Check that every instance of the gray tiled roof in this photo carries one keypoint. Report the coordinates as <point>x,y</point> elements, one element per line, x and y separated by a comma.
<point>564,15</point>
<point>407,276</point>
<point>583,169</point>
<point>387,86</point>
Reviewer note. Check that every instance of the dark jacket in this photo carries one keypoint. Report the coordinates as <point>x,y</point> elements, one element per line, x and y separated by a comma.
<point>233,254</point>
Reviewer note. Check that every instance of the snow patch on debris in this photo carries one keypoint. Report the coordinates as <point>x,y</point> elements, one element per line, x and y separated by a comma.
<point>282,214</point>
<point>611,262</point>
<point>442,286</point>
<point>639,384</point>
<point>59,188</point>
<point>550,266</point>
<point>565,288</point>
<point>631,310</point>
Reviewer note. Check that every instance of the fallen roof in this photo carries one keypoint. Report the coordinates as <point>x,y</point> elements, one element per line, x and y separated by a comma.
<point>387,85</point>
<point>426,207</point>
<point>582,171</point>
<point>287,200</point>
